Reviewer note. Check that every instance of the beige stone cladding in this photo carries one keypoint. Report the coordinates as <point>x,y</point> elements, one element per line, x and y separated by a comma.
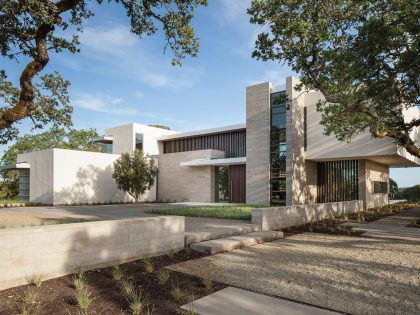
<point>57,250</point>
<point>258,144</point>
<point>301,177</point>
<point>281,217</point>
<point>178,183</point>
<point>369,172</point>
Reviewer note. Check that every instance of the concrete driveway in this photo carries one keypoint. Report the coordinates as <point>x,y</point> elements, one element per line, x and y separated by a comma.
<point>26,216</point>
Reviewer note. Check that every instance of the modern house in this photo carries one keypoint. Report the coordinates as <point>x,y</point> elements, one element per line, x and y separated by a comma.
<point>279,156</point>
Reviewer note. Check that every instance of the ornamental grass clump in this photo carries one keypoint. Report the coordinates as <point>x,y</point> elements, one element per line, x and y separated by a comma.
<point>35,279</point>
<point>84,300</point>
<point>162,277</point>
<point>79,279</point>
<point>208,283</point>
<point>137,302</point>
<point>117,273</point>
<point>176,292</point>
<point>127,287</point>
<point>148,265</point>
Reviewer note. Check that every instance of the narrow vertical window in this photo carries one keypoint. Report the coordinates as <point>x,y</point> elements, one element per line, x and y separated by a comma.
<point>305,126</point>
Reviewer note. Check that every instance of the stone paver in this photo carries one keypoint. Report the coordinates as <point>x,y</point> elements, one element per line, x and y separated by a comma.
<point>348,274</point>
<point>26,216</point>
<point>392,227</point>
<point>234,301</point>
<point>237,241</point>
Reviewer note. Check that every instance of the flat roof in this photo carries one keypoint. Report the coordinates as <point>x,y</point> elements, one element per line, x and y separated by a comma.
<point>202,132</point>
<point>103,139</point>
<point>15,166</point>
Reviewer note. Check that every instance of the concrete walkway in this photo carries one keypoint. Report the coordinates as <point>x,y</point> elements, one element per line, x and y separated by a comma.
<point>356,275</point>
<point>26,216</point>
<point>234,301</point>
<point>392,227</point>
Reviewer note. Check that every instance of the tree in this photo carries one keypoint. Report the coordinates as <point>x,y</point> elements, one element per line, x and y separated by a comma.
<point>135,174</point>
<point>411,193</point>
<point>393,189</point>
<point>160,126</point>
<point>31,29</point>
<point>364,56</point>
<point>54,138</point>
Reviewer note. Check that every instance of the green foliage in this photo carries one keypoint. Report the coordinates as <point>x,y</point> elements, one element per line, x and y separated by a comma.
<point>31,29</point>
<point>56,137</point>
<point>364,56</point>
<point>393,188</point>
<point>160,126</point>
<point>134,174</point>
<point>411,193</point>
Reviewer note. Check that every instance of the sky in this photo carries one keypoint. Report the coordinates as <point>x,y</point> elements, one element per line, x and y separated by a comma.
<point>119,78</point>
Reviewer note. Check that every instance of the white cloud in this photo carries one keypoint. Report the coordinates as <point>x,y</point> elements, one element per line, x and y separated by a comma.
<point>118,53</point>
<point>109,40</point>
<point>104,103</point>
<point>138,94</point>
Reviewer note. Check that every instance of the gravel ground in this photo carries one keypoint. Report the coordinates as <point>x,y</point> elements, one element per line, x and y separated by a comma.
<point>348,274</point>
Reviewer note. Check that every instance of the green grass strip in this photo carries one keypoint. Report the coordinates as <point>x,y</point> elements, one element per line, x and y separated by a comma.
<point>237,212</point>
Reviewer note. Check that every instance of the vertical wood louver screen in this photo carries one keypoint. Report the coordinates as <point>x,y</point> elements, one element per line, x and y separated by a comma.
<point>337,181</point>
<point>233,143</point>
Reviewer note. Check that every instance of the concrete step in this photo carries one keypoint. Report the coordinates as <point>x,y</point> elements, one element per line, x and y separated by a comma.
<point>233,242</point>
<point>219,232</point>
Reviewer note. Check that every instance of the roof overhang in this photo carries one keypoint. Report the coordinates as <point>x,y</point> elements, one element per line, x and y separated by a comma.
<point>15,166</point>
<point>103,139</point>
<point>202,132</point>
<point>214,162</point>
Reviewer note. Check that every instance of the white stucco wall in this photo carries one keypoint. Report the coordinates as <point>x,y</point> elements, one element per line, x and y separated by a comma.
<point>60,176</point>
<point>85,177</point>
<point>124,138</point>
<point>41,175</point>
<point>321,146</point>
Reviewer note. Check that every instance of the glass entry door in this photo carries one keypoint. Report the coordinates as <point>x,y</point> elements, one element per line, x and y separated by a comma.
<point>222,185</point>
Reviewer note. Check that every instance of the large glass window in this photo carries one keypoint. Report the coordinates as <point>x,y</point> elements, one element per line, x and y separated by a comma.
<point>222,184</point>
<point>278,148</point>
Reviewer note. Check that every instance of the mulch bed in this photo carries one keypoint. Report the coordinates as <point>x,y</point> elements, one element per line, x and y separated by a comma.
<point>57,296</point>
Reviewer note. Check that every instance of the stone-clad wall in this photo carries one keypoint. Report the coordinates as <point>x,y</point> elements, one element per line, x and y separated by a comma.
<point>57,250</point>
<point>281,217</point>
<point>369,172</point>
<point>178,183</point>
<point>258,144</point>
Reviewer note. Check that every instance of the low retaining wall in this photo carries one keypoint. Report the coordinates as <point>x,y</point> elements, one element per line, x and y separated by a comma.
<point>281,217</point>
<point>57,250</point>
